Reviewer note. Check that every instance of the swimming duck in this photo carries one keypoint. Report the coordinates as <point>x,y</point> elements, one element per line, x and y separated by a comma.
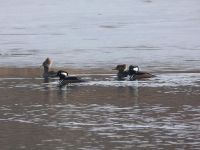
<point>133,72</point>
<point>64,78</point>
<point>46,64</point>
<point>122,73</point>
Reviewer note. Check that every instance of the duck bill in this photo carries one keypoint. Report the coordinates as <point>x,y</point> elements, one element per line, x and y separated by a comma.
<point>114,68</point>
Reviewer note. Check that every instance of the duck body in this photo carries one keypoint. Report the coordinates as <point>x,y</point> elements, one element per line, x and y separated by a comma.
<point>134,73</point>
<point>49,74</point>
<point>140,75</point>
<point>122,75</point>
<point>64,78</point>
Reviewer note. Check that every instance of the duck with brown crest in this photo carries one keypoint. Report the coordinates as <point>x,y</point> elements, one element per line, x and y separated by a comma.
<point>47,73</point>
<point>122,73</point>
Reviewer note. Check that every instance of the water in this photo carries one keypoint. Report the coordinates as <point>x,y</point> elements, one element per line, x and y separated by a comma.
<point>83,33</point>
<point>93,36</point>
<point>102,113</point>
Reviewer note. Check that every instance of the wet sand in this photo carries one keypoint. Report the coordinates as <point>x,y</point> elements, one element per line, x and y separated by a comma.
<point>102,113</point>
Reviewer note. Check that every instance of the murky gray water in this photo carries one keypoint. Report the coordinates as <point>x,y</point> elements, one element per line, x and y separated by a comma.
<point>155,34</point>
<point>160,113</point>
<point>102,113</point>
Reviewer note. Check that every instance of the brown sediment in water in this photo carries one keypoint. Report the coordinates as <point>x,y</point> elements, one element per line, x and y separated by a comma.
<point>32,72</point>
<point>20,72</point>
<point>63,117</point>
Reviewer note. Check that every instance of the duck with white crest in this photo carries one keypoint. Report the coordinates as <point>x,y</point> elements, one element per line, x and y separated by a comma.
<point>132,72</point>
<point>64,78</point>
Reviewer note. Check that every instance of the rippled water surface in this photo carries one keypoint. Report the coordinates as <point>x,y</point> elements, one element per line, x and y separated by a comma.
<point>93,36</point>
<point>102,113</point>
<point>155,34</point>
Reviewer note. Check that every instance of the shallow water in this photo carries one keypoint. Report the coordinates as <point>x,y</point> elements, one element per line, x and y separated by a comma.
<point>102,113</point>
<point>88,38</point>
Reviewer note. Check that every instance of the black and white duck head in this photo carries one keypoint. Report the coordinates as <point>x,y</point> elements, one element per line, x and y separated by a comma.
<point>133,68</point>
<point>62,74</point>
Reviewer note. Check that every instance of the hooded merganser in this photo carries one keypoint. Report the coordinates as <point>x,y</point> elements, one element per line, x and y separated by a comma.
<point>65,79</point>
<point>133,72</point>
<point>46,64</point>
<point>122,73</point>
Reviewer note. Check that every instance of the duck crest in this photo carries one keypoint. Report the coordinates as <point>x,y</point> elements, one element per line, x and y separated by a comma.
<point>47,73</point>
<point>47,62</point>
<point>122,73</point>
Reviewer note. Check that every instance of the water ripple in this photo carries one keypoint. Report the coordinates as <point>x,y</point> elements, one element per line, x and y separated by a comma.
<point>122,125</point>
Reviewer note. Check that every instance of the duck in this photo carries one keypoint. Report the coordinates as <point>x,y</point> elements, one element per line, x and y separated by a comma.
<point>47,73</point>
<point>64,78</point>
<point>122,73</point>
<point>133,72</point>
